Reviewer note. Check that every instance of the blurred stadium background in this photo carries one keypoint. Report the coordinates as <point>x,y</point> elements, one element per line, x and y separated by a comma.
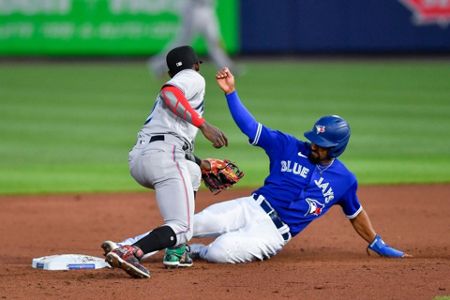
<point>75,86</point>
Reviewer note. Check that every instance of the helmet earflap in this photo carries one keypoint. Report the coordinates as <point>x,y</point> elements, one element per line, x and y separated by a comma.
<point>331,132</point>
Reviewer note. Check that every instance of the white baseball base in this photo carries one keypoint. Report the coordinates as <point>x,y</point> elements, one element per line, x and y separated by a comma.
<point>69,262</point>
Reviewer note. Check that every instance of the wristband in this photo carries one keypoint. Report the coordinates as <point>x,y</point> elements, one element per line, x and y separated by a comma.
<point>380,247</point>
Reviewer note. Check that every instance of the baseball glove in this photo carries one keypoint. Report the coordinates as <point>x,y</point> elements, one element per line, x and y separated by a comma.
<point>222,175</point>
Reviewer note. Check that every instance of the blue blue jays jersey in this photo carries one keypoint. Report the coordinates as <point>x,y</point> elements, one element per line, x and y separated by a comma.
<point>296,188</point>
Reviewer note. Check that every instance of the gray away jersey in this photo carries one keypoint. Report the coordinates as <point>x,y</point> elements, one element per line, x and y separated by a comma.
<point>163,120</point>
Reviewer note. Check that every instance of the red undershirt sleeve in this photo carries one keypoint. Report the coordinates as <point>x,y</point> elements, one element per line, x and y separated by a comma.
<point>174,98</point>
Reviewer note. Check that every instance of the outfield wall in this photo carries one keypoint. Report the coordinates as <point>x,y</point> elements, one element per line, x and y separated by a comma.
<point>295,26</point>
<point>144,27</point>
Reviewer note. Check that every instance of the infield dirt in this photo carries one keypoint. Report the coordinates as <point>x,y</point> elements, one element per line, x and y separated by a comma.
<point>327,260</point>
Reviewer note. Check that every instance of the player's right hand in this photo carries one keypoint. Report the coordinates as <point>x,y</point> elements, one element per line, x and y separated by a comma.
<point>214,135</point>
<point>225,80</point>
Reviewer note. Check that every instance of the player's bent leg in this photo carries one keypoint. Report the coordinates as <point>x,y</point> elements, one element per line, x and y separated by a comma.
<point>175,196</point>
<point>195,175</point>
<point>222,217</point>
<point>234,248</point>
<point>134,239</point>
<point>259,239</point>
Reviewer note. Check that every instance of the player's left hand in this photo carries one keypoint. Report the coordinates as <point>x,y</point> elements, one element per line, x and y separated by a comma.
<point>382,249</point>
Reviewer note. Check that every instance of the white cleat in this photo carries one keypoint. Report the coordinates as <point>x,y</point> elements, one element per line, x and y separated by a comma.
<point>195,250</point>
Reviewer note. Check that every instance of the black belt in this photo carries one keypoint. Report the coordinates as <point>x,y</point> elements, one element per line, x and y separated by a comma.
<point>155,138</point>
<point>273,215</point>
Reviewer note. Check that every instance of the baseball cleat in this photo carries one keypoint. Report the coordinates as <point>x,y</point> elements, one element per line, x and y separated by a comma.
<point>127,259</point>
<point>195,250</point>
<point>108,246</point>
<point>178,257</point>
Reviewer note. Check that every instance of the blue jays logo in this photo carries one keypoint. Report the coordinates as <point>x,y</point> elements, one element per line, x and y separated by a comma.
<point>320,129</point>
<point>315,207</point>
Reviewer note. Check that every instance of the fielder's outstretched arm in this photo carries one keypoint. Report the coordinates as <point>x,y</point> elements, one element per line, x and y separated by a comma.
<point>241,116</point>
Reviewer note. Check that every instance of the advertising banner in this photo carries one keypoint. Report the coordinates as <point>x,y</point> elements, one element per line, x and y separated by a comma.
<point>99,27</point>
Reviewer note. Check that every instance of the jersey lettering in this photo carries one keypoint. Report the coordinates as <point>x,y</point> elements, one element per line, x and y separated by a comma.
<point>326,192</point>
<point>296,168</point>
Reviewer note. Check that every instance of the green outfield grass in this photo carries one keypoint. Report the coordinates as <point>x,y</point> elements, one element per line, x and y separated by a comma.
<point>67,127</point>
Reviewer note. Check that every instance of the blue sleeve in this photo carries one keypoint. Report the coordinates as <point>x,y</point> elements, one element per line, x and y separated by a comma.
<point>241,116</point>
<point>350,203</point>
<point>258,134</point>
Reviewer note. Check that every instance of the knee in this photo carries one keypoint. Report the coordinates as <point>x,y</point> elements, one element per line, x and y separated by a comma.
<point>220,252</point>
<point>216,254</point>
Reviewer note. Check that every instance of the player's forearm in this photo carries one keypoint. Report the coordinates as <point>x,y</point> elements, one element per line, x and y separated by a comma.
<point>241,116</point>
<point>363,226</point>
<point>179,105</point>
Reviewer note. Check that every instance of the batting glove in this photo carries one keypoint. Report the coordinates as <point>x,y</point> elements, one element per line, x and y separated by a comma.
<point>379,246</point>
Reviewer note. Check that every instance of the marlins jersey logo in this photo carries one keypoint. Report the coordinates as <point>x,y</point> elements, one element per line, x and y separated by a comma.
<point>315,207</point>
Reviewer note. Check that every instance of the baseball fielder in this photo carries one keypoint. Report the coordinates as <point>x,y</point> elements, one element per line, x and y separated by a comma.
<point>198,17</point>
<point>157,161</point>
<point>305,180</point>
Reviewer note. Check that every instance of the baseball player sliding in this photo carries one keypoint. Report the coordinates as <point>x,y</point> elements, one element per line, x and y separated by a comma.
<point>305,180</point>
<point>157,161</point>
